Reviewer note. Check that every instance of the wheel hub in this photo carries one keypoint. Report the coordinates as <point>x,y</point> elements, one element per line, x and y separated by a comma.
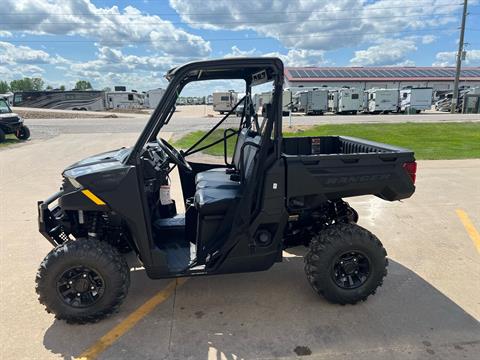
<point>80,287</point>
<point>351,270</point>
<point>350,267</point>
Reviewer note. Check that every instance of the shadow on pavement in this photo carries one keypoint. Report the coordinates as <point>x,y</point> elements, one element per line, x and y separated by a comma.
<point>276,314</point>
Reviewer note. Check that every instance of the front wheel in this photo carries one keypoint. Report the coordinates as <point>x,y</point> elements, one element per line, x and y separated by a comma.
<point>2,136</point>
<point>82,281</point>
<point>23,133</point>
<point>346,263</point>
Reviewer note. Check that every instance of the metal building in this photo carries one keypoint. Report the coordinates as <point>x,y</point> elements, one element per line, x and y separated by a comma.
<point>363,78</point>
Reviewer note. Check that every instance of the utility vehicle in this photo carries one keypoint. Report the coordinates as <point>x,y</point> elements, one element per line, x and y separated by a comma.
<point>11,123</point>
<point>272,194</point>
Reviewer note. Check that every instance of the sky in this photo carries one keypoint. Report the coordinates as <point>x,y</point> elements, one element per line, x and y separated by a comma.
<point>134,42</point>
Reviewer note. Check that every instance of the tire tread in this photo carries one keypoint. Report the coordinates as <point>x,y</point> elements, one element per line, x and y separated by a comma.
<point>83,248</point>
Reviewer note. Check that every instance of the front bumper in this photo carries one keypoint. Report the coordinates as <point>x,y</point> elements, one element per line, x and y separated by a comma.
<point>11,127</point>
<point>50,220</point>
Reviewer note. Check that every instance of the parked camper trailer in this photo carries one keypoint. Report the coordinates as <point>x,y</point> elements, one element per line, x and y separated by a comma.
<point>224,101</point>
<point>287,101</point>
<point>416,99</point>
<point>64,100</point>
<point>153,97</point>
<point>382,101</point>
<point>181,101</point>
<point>311,102</point>
<point>345,101</point>
<point>124,100</point>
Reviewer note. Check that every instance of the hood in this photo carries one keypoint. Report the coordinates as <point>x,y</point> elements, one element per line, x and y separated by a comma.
<point>103,160</point>
<point>9,115</point>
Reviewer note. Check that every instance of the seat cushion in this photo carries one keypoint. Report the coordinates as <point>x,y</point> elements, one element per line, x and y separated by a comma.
<point>215,174</point>
<point>225,184</point>
<point>214,201</point>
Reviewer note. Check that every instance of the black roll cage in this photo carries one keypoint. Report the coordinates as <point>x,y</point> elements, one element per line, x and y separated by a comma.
<point>235,68</point>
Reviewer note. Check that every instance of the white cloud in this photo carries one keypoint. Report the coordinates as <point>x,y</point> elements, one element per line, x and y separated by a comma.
<point>428,39</point>
<point>317,24</point>
<point>448,58</point>
<point>296,57</point>
<point>392,52</point>
<point>108,26</point>
<point>113,67</point>
<point>293,57</point>
<point>13,55</point>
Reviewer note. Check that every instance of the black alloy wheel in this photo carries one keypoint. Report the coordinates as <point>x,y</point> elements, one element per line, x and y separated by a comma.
<point>80,287</point>
<point>351,270</point>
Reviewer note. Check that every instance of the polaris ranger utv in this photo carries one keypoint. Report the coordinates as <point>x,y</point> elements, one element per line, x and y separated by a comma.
<point>11,123</point>
<point>275,193</point>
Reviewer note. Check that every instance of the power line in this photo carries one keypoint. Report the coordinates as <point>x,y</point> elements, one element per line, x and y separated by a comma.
<point>225,14</point>
<point>232,39</point>
<point>240,22</point>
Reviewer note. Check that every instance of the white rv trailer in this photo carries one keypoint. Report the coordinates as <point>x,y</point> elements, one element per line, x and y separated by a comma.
<point>261,99</point>
<point>416,98</point>
<point>124,100</point>
<point>224,101</point>
<point>287,101</point>
<point>311,102</point>
<point>382,101</point>
<point>153,97</point>
<point>181,100</point>
<point>345,101</point>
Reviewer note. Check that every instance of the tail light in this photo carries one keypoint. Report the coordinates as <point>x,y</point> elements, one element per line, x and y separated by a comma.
<point>411,169</point>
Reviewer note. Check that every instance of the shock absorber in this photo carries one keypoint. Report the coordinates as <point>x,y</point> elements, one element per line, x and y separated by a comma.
<point>92,228</point>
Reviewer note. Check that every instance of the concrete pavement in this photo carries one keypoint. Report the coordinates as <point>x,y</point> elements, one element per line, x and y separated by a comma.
<point>428,307</point>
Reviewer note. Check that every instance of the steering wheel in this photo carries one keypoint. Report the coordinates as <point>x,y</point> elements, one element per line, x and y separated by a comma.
<point>174,155</point>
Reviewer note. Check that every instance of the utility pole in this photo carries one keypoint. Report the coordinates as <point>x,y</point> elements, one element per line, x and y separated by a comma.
<point>459,58</point>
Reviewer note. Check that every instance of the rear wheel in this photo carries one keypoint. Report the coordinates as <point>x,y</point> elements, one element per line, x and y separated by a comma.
<point>23,133</point>
<point>346,263</point>
<point>82,281</point>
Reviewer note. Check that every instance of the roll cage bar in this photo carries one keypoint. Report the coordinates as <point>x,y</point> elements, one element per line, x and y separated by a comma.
<point>248,69</point>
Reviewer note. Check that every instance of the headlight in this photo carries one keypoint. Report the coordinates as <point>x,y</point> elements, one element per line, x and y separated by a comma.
<point>74,182</point>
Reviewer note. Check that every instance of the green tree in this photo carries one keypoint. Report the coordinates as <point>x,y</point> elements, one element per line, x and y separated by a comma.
<point>62,87</point>
<point>49,87</point>
<point>83,85</point>
<point>106,88</point>
<point>4,88</point>
<point>25,84</point>
<point>38,84</point>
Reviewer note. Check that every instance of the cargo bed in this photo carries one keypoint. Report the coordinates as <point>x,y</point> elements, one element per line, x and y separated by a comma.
<point>339,166</point>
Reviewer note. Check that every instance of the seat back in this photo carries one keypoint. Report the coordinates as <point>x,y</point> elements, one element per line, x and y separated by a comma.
<point>247,161</point>
<point>242,136</point>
